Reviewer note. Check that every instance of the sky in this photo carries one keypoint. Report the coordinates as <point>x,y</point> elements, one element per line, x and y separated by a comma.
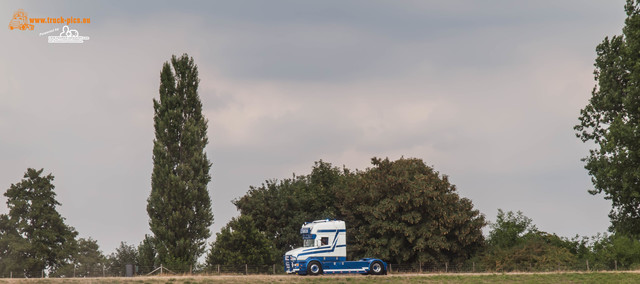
<point>486,92</point>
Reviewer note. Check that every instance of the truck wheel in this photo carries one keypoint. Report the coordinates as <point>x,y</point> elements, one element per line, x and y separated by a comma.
<point>314,268</point>
<point>376,268</point>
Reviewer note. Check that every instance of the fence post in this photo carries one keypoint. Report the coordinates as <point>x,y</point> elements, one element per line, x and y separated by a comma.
<point>446,267</point>
<point>473,267</point>
<point>11,274</point>
<point>274,268</point>
<point>218,268</point>
<point>615,263</point>
<point>587,265</point>
<point>420,266</point>
<point>246,269</point>
<point>390,268</point>
<point>161,269</point>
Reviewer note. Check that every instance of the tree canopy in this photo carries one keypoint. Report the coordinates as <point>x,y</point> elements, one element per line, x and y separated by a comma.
<point>239,243</point>
<point>124,254</point>
<point>179,205</point>
<point>33,236</point>
<point>147,255</point>
<point>401,211</point>
<point>404,211</point>
<point>516,244</point>
<point>279,208</point>
<point>88,261</point>
<point>611,121</point>
<point>510,228</point>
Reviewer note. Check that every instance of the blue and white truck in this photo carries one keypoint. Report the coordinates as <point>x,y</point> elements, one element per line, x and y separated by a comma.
<point>325,251</point>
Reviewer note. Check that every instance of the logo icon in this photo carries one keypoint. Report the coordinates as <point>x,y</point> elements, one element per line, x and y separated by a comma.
<point>68,36</point>
<point>20,21</point>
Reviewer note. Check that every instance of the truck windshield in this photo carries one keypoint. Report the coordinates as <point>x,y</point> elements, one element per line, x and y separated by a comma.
<point>308,243</point>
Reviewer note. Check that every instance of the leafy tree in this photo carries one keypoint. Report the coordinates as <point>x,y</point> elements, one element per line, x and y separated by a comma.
<point>34,236</point>
<point>88,261</point>
<point>611,121</point>
<point>279,208</point>
<point>404,211</point>
<point>536,253</point>
<point>147,255</point>
<point>510,229</point>
<point>239,243</point>
<point>625,251</point>
<point>179,206</point>
<point>516,244</point>
<point>11,247</point>
<point>124,254</point>
<point>610,251</point>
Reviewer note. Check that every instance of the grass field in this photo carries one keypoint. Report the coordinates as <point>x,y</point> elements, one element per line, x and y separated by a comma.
<point>571,277</point>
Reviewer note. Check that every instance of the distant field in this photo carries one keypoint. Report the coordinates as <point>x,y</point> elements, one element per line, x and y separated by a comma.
<point>573,277</point>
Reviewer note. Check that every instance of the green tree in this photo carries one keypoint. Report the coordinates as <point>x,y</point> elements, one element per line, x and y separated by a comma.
<point>147,255</point>
<point>279,208</point>
<point>34,236</point>
<point>12,246</point>
<point>179,205</point>
<point>404,211</point>
<point>611,121</point>
<point>88,261</point>
<point>239,243</point>
<point>608,252</point>
<point>510,229</point>
<point>515,244</point>
<point>124,254</point>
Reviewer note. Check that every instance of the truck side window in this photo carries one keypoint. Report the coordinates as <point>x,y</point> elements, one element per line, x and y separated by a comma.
<point>324,241</point>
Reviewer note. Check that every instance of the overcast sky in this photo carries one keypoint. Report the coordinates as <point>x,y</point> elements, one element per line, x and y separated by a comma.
<point>486,92</point>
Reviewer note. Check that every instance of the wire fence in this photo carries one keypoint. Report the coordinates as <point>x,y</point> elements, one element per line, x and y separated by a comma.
<point>275,269</point>
<point>533,266</point>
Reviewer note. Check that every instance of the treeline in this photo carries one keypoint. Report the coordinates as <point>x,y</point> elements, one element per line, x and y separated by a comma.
<point>515,244</point>
<point>36,242</point>
<point>402,211</point>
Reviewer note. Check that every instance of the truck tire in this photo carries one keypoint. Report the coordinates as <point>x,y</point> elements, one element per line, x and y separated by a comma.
<point>376,268</point>
<point>314,268</point>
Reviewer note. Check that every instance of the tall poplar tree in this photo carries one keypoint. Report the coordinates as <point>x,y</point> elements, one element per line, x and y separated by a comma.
<point>179,206</point>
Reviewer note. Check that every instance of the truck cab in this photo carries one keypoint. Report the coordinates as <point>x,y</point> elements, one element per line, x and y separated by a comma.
<point>324,250</point>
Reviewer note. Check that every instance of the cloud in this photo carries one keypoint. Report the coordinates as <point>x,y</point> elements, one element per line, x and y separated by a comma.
<point>487,93</point>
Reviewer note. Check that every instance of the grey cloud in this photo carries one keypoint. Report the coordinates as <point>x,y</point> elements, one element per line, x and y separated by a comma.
<point>485,92</point>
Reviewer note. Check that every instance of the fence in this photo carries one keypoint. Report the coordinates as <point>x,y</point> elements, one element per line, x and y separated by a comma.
<point>104,271</point>
<point>275,269</point>
<point>472,267</point>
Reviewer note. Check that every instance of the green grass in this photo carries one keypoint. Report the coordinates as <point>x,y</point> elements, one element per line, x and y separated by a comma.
<point>592,277</point>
